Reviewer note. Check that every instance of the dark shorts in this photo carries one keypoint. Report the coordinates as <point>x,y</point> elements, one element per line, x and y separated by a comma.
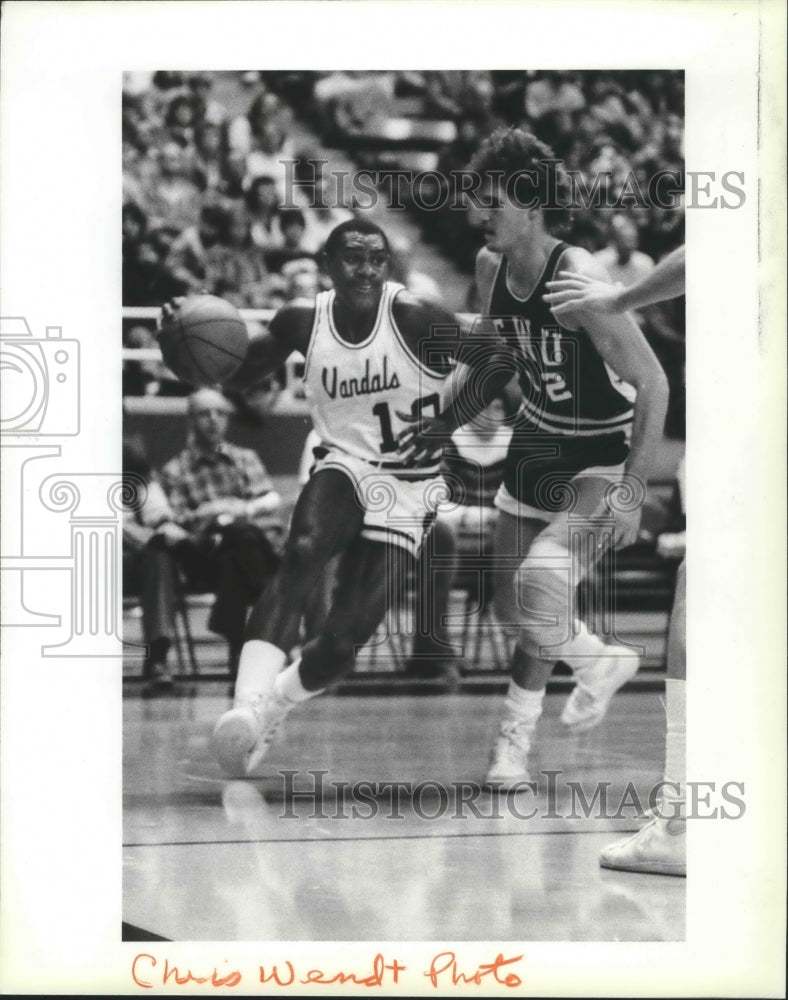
<point>537,464</point>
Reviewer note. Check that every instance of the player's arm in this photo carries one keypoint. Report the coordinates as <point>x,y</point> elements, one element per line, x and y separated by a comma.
<point>489,363</point>
<point>288,331</point>
<point>478,362</point>
<point>573,290</point>
<point>622,345</point>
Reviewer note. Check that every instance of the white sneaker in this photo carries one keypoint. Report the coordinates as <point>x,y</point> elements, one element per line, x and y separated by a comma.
<point>243,735</point>
<point>509,762</point>
<point>233,738</point>
<point>597,682</point>
<point>659,848</point>
<point>271,715</point>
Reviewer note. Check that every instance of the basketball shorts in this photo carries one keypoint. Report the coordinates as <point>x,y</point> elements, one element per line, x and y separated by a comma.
<point>538,468</point>
<point>397,510</point>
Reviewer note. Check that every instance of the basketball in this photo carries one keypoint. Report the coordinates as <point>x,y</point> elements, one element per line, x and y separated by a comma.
<point>205,341</point>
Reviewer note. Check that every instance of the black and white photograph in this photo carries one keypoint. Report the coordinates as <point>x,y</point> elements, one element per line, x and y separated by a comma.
<point>390,476</point>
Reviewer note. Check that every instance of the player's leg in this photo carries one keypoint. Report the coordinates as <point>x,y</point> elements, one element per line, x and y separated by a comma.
<point>327,517</point>
<point>660,848</point>
<point>370,577</point>
<point>545,595</point>
<point>432,652</point>
<point>599,669</point>
<point>522,708</point>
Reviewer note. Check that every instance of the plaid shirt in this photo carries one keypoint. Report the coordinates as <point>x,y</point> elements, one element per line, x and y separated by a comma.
<point>194,477</point>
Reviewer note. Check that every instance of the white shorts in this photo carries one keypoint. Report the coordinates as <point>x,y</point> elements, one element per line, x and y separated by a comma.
<point>397,511</point>
<point>511,505</point>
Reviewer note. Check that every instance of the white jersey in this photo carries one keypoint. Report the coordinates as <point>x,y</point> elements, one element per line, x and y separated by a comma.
<point>356,390</point>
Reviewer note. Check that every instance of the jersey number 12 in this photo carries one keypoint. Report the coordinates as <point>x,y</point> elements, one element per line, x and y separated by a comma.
<point>388,442</point>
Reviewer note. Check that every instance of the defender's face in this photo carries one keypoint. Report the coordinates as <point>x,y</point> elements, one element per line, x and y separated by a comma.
<point>504,223</point>
<point>359,269</point>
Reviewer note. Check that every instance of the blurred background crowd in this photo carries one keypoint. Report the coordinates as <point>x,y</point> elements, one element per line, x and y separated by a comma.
<point>207,204</point>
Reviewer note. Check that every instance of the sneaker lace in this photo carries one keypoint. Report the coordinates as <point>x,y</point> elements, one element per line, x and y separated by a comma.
<point>584,698</point>
<point>515,739</point>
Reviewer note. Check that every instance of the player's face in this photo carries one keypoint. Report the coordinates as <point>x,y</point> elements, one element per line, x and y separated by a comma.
<point>505,225</point>
<point>359,269</point>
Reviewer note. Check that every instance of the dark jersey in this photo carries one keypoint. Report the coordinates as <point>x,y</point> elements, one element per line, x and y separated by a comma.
<point>567,387</point>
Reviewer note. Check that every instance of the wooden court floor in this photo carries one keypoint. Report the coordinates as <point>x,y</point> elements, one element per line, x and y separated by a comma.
<point>324,844</point>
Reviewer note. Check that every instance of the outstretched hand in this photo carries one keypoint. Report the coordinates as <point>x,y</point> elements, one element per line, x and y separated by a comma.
<point>572,291</point>
<point>168,313</point>
<point>423,441</point>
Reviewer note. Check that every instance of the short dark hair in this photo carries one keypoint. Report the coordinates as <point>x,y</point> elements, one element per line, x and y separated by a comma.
<point>363,226</point>
<point>512,151</point>
<point>290,215</point>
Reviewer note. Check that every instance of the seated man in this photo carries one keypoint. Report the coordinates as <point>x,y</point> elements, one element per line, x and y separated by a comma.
<point>224,499</point>
<point>473,468</point>
<point>150,536</point>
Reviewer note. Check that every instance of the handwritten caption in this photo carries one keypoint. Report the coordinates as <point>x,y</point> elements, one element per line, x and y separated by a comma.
<point>445,969</point>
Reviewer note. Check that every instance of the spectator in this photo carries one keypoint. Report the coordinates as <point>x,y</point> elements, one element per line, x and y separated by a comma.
<point>210,161</point>
<point>208,110</point>
<point>262,204</point>
<point>292,225</point>
<point>549,92</point>
<point>261,140</point>
<point>326,206</point>
<point>146,277</point>
<point>353,102</point>
<point>218,256</point>
<point>182,118</point>
<point>237,270</point>
<point>456,94</point>
<point>134,223</point>
<point>303,280</point>
<point>624,262</point>
<point>171,196</point>
<point>189,258</point>
<point>223,497</point>
<point>150,539</point>
<point>662,323</point>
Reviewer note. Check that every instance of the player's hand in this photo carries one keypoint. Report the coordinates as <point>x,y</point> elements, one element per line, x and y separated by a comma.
<point>571,291</point>
<point>168,313</point>
<point>627,527</point>
<point>424,440</point>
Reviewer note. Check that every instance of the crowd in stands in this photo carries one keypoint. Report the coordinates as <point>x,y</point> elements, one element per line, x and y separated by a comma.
<point>208,206</point>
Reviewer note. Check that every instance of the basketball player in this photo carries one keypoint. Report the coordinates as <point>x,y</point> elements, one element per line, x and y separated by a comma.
<point>372,369</point>
<point>660,846</point>
<point>579,433</point>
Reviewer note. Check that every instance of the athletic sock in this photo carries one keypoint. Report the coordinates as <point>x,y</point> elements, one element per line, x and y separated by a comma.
<point>676,737</point>
<point>258,666</point>
<point>522,703</point>
<point>289,687</point>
